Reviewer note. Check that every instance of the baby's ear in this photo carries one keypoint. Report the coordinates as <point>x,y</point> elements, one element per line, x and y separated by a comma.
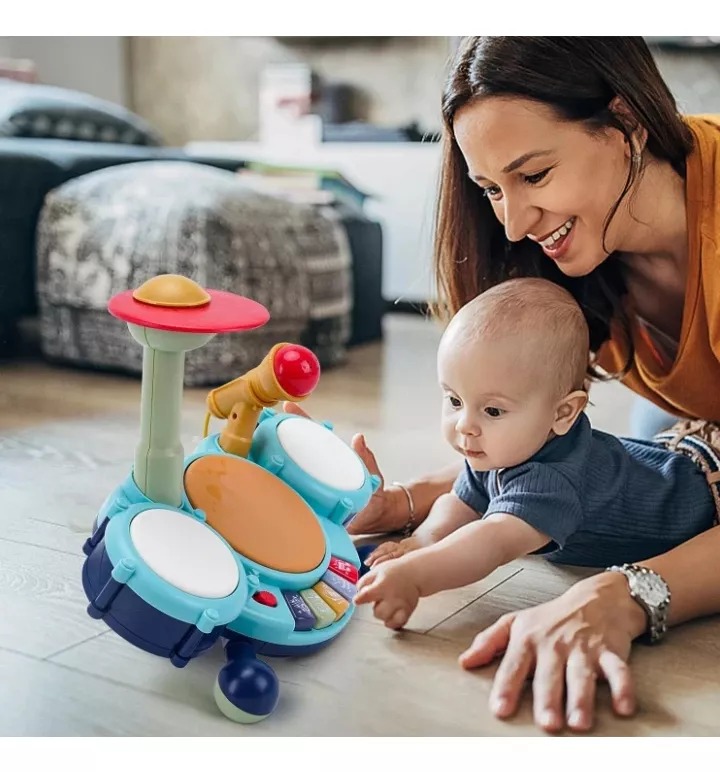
<point>568,410</point>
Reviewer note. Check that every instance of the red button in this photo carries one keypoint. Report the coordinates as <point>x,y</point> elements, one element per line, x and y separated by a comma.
<point>343,568</point>
<point>265,597</point>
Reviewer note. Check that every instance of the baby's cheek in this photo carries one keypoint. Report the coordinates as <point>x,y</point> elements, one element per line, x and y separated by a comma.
<point>448,430</point>
<point>517,445</point>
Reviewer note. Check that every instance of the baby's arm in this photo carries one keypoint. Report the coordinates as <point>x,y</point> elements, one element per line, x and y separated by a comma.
<point>465,556</point>
<point>473,552</point>
<point>448,514</point>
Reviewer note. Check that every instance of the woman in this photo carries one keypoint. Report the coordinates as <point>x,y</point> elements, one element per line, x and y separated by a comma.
<point>565,157</point>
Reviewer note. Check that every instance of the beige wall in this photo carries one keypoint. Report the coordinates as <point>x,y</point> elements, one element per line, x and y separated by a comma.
<point>205,88</point>
<point>95,65</point>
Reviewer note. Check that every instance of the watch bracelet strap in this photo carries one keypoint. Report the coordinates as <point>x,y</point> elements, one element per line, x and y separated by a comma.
<point>653,632</point>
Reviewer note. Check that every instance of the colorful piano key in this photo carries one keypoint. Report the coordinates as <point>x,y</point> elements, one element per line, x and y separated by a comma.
<point>340,584</point>
<point>336,601</point>
<point>324,615</point>
<point>343,568</point>
<point>304,617</point>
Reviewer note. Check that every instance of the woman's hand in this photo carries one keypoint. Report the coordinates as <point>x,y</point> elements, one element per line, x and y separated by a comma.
<point>568,642</point>
<point>391,550</point>
<point>386,511</point>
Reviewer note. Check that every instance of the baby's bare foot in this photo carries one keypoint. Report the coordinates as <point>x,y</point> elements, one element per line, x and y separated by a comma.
<point>391,550</point>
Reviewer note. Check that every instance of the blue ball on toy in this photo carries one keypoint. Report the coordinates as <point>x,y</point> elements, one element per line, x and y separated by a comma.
<point>246,690</point>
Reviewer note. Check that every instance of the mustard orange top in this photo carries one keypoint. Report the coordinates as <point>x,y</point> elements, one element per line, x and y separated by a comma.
<point>689,386</point>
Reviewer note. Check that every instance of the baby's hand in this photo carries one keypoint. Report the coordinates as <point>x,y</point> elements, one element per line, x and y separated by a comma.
<point>393,590</point>
<point>391,550</point>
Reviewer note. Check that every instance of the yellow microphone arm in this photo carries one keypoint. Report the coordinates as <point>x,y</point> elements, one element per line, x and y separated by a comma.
<point>288,372</point>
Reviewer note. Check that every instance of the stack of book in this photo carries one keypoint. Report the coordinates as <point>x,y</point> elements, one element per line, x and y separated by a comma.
<point>321,187</point>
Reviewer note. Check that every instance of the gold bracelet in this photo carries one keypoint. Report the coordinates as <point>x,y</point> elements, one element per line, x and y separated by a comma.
<point>410,525</point>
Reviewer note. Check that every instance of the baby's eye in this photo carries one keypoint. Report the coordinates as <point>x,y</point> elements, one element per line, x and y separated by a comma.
<point>494,412</point>
<point>454,401</point>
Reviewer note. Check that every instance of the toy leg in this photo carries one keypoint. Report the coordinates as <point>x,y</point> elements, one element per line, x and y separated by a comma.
<point>246,690</point>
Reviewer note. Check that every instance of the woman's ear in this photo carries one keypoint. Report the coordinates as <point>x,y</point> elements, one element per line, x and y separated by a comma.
<point>635,131</point>
<point>568,410</point>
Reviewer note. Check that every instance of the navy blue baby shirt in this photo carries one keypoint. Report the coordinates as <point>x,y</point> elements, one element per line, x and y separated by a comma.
<point>599,499</point>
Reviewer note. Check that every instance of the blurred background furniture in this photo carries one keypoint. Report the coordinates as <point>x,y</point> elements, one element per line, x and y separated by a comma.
<point>51,136</point>
<point>114,229</point>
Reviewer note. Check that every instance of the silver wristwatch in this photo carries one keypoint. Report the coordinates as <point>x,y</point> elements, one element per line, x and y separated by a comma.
<point>651,592</point>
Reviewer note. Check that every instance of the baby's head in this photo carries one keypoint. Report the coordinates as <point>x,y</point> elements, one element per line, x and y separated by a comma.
<point>512,366</point>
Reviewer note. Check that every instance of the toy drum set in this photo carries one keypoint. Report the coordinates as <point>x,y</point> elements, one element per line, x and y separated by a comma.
<point>245,538</point>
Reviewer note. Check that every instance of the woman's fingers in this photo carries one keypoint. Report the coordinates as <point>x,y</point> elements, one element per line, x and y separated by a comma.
<point>619,678</point>
<point>368,457</point>
<point>549,688</point>
<point>292,407</point>
<point>372,519</point>
<point>487,644</point>
<point>380,559</point>
<point>387,551</point>
<point>380,550</point>
<point>581,684</point>
<point>509,682</point>
<point>569,642</point>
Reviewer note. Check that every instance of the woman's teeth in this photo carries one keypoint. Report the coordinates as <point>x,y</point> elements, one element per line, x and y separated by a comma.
<point>555,236</point>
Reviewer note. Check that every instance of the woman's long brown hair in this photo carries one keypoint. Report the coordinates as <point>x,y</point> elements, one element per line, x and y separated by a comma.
<point>578,77</point>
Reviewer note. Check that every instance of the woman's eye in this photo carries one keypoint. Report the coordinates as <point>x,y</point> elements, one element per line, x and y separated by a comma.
<point>494,412</point>
<point>493,193</point>
<point>534,179</point>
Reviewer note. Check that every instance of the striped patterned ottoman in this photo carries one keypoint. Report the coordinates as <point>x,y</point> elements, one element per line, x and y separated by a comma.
<point>113,229</point>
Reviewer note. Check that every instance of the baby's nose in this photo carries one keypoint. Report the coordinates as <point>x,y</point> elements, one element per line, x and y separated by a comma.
<point>466,425</point>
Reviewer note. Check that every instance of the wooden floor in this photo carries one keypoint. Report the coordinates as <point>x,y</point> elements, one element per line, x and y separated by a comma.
<point>67,438</point>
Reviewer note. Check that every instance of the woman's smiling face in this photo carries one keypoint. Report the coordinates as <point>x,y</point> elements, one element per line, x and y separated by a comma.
<point>548,180</point>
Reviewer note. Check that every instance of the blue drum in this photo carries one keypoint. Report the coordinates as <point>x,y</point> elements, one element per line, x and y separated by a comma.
<point>315,462</point>
<point>163,580</point>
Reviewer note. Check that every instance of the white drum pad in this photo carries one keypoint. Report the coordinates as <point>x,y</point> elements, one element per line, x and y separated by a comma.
<point>321,454</point>
<point>185,553</point>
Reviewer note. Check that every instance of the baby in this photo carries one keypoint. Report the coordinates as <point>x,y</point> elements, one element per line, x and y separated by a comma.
<point>537,478</point>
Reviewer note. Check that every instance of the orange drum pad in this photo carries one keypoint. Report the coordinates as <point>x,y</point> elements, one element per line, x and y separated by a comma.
<point>260,516</point>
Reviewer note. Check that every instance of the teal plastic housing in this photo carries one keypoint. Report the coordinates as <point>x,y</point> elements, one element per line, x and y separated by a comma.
<point>337,504</point>
<point>128,493</point>
<point>275,624</point>
<point>131,570</point>
<point>240,612</point>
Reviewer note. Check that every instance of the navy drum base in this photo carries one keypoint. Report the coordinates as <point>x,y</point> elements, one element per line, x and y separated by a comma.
<point>163,580</point>
<point>152,631</point>
<point>267,649</point>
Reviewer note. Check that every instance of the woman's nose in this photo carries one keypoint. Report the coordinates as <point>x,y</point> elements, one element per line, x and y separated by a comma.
<point>520,218</point>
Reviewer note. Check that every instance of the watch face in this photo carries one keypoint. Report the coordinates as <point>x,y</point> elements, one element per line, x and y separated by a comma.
<point>651,589</point>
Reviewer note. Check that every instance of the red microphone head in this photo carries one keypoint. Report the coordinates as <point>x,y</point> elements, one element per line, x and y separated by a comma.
<point>297,369</point>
